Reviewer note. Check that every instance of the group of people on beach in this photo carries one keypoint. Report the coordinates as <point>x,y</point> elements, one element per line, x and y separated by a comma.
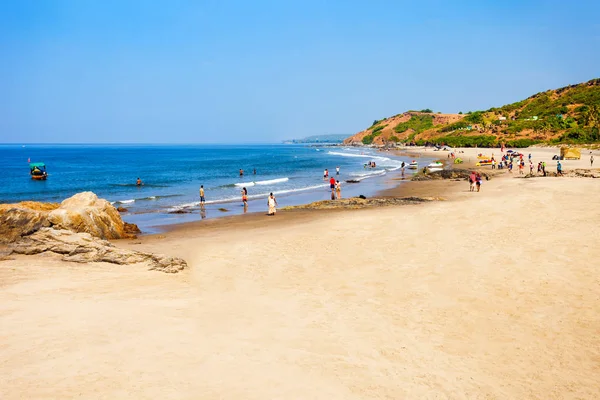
<point>475,181</point>
<point>334,184</point>
<point>271,201</point>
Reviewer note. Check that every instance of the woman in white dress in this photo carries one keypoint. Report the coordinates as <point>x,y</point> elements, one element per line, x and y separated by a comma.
<point>272,203</point>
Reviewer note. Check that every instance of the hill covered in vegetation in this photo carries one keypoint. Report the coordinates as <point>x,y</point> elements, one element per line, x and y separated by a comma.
<point>567,115</point>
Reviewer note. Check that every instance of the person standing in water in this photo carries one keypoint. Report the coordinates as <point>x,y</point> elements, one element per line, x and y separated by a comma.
<point>272,203</point>
<point>245,197</point>
<point>402,166</point>
<point>139,182</point>
<point>325,174</point>
<point>241,172</point>
<point>254,171</point>
<point>201,194</point>
<point>332,184</point>
<point>338,189</point>
<point>337,170</point>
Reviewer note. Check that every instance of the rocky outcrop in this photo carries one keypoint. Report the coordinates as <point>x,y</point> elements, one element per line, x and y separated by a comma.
<point>357,202</point>
<point>85,212</point>
<point>573,173</point>
<point>77,229</point>
<point>18,222</point>
<point>456,174</point>
<point>83,248</point>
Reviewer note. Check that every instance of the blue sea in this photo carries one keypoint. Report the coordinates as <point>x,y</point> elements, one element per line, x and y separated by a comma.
<point>172,175</point>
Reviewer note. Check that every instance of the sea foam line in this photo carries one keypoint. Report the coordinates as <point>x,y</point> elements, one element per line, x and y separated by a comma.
<point>267,182</point>
<point>250,197</point>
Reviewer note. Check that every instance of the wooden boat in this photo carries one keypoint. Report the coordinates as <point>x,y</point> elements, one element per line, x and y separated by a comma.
<point>413,165</point>
<point>38,171</point>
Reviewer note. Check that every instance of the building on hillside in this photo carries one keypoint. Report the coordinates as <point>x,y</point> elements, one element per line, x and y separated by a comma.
<point>501,118</point>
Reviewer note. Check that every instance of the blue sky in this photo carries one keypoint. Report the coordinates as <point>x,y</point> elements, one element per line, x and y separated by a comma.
<point>263,71</point>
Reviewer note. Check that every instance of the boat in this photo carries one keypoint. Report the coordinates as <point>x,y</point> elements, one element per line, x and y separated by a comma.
<point>38,171</point>
<point>413,165</point>
<point>435,169</point>
<point>436,164</point>
<point>483,162</point>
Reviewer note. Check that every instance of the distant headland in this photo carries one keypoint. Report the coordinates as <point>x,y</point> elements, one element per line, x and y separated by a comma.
<point>569,115</point>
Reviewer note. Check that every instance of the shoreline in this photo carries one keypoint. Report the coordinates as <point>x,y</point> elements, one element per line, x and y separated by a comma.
<point>482,294</point>
<point>449,190</point>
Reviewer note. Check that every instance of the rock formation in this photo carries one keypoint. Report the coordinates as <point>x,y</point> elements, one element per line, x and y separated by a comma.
<point>83,247</point>
<point>357,202</point>
<point>77,229</point>
<point>460,174</point>
<point>85,212</point>
<point>18,222</point>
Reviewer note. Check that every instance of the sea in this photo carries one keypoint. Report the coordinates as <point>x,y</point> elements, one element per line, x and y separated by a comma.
<point>172,175</point>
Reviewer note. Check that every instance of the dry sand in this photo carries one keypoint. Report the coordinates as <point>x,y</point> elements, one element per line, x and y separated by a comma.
<point>491,295</point>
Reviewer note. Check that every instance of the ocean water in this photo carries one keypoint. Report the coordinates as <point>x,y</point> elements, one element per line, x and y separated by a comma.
<point>172,175</point>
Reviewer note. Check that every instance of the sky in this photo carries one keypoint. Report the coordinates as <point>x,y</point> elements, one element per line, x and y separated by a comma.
<point>118,71</point>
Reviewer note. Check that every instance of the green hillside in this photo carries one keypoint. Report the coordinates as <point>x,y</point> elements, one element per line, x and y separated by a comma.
<point>567,115</point>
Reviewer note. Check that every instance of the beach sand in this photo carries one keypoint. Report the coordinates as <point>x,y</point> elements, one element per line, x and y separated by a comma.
<point>490,295</point>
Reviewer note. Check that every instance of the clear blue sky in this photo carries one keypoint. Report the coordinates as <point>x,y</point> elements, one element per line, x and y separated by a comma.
<point>262,71</point>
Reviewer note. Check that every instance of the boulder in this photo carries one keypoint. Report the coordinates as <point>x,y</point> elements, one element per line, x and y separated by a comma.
<point>461,174</point>
<point>18,222</point>
<point>131,229</point>
<point>85,212</point>
<point>83,248</point>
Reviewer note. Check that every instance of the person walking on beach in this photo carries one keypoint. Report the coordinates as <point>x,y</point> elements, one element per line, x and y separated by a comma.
<point>530,167</point>
<point>544,167</point>
<point>591,161</point>
<point>539,167</point>
<point>493,164</point>
<point>521,165</point>
<point>338,189</point>
<point>272,203</point>
<point>402,166</point>
<point>245,197</point>
<point>559,168</point>
<point>478,181</point>
<point>201,194</point>
<point>472,179</point>
<point>337,170</point>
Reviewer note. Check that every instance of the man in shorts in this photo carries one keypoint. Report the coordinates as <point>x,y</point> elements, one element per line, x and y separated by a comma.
<point>202,194</point>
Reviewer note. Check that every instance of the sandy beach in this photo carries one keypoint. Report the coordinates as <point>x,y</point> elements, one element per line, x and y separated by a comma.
<point>490,295</point>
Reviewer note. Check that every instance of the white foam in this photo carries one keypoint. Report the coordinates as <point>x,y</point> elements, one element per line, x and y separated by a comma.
<point>373,173</point>
<point>382,161</point>
<point>126,201</point>
<point>267,182</point>
<point>250,197</point>
<point>272,181</point>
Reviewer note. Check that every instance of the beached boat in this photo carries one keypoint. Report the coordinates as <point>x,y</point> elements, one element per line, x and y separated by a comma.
<point>38,171</point>
<point>413,165</point>
<point>482,163</point>
<point>435,169</point>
